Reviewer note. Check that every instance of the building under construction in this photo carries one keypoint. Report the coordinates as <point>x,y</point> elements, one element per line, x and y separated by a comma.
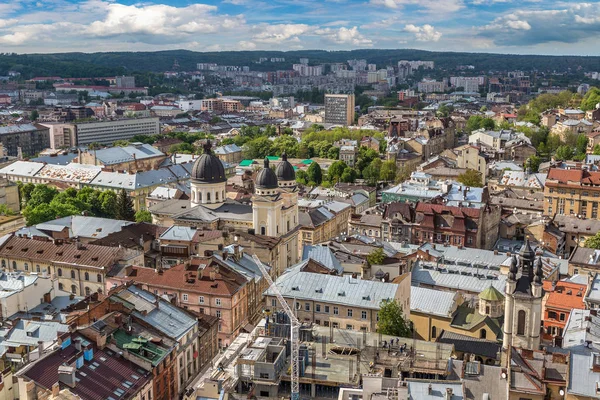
<point>330,359</point>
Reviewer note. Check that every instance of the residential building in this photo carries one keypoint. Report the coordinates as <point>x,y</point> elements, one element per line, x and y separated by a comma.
<point>339,109</point>
<point>22,291</point>
<point>108,132</point>
<point>136,157</point>
<point>24,140</point>
<point>567,127</point>
<point>221,104</point>
<point>348,155</point>
<point>469,157</point>
<point>79,368</point>
<point>231,153</point>
<point>581,338</point>
<point>458,226</point>
<point>81,269</point>
<point>9,195</point>
<point>572,192</point>
<point>431,86</point>
<point>337,301</point>
<point>323,223</point>
<point>559,299</point>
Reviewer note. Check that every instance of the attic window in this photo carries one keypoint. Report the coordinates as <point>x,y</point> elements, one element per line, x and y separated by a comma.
<point>59,253</point>
<point>367,297</point>
<point>94,258</point>
<point>296,288</point>
<point>24,249</point>
<point>316,290</point>
<point>342,293</point>
<point>569,292</point>
<point>77,255</point>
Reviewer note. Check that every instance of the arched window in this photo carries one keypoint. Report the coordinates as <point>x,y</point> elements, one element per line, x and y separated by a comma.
<point>86,276</point>
<point>199,197</point>
<point>73,289</point>
<point>87,291</point>
<point>208,197</point>
<point>433,332</point>
<point>99,278</point>
<point>3,263</point>
<point>263,230</point>
<point>14,265</point>
<point>72,274</point>
<point>60,286</point>
<point>37,267</point>
<point>521,322</point>
<point>26,266</point>
<point>193,196</point>
<point>59,272</point>
<point>288,225</point>
<point>216,196</point>
<point>223,197</point>
<point>482,334</point>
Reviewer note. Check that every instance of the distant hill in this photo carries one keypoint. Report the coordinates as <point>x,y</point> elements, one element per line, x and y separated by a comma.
<point>112,63</point>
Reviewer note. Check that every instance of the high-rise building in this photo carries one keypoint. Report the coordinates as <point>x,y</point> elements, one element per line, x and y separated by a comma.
<point>125,82</point>
<point>339,109</point>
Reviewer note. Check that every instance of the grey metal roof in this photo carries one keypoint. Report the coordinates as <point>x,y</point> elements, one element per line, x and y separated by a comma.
<point>164,316</point>
<point>431,301</point>
<point>343,290</point>
<point>116,155</point>
<point>419,390</point>
<point>182,233</point>
<point>582,377</point>
<point>323,255</point>
<point>22,168</point>
<point>60,159</point>
<point>456,281</point>
<point>31,332</point>
<point>17,129</point>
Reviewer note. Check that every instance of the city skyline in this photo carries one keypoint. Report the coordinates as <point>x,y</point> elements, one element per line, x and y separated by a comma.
<point>498,26</point>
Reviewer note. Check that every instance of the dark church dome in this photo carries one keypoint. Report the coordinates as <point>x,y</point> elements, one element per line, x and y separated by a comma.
<point>266,178</point>
<point>285,170</point>
<point>208,168</point>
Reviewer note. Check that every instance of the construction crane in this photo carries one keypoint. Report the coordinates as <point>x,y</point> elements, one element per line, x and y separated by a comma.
<point>294,330</point>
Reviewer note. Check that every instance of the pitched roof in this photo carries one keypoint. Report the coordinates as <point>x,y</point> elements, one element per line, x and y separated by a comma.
<point>491,294</point>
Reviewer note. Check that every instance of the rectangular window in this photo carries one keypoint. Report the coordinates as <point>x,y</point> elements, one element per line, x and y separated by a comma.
<point>562,316</point>
<point>363,315</point>
<point>306,306</point>
<point>201,299</point>
<point>185,297</point>
<point>336,311</point>
<point>350,312</point>
<point>335,325</point>
<point>349,327</point>
<point>326,309</point>
<point>273,303</point>
<point>318,308</point>
<point>218,314</point>
<point>218,302</point>
<point>551,315</point>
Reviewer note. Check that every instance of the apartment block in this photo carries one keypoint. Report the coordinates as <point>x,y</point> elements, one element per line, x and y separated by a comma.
<point>339,109</point>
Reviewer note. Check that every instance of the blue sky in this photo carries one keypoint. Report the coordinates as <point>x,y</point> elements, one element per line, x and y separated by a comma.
<point>508,26</point>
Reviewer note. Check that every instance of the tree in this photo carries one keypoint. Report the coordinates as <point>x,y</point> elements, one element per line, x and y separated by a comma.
<point>124,207</point>
<point>564,152</point>
<point>258,148</point>
<point>533,163</point>
<point>34,115</point>
<point>314,173</point>
<point>471,178</point>
<point>25,192</point>
<point>391,319</point>
<point>143,216</point>
<point>372,172</point>
<point>596,150</point>
<point>593,242</point>
<point>121,143</point>
<point>581,144</point>
<point>591,99</point>
<point>5,211</point>
<point>301,177</point>
<point>488,124</point>
<point>388,171</point>
<point>349,175</point>
<point>376,257</point>
<point>41,194</point>
<point>335,171</point>
<point>287,144</point>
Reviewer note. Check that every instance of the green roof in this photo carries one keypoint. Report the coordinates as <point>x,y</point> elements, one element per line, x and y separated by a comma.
<point>246,163</point>
<point>491,294</point>
<point>139,346</point>
<point>273,158</point>
<point>467,318</point>
<point>307,161</point>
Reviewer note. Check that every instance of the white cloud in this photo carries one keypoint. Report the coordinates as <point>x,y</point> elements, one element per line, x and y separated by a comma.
<point>344,35</point>
<point>432,6</point>
<point>279,33</point>
<point>425,33</point>
<point>245,45</point>
<point>519,25</point>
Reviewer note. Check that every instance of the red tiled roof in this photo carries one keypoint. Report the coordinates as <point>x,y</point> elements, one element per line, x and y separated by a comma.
<point>573,175</point>
<point>564,296</point>
<point>428,208</point>
<point>226,283</point>
<point>87,255</point>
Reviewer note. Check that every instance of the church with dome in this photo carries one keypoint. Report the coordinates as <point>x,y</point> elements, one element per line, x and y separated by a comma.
<point>272,211</point>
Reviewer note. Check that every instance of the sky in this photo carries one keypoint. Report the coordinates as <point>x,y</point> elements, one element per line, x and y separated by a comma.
<point>498,26</point>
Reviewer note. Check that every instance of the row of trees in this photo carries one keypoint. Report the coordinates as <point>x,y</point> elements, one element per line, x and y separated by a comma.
<point>41,203</point>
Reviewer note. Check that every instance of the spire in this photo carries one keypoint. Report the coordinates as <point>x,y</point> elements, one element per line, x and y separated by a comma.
<point>513,268</point>
<point>207,146</point>
<point>266,163</point>
<point>284,156</point>
<point>538,271</point>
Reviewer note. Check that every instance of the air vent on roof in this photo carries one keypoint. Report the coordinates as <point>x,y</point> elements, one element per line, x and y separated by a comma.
<point>317,290</point>
<point>342,293</point>
<point>367,297</point>
<point>295,288</point>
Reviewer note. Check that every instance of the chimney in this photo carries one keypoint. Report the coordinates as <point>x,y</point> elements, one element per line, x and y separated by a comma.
<point>66,375</point>
<point>212,275</point>
<point>448,395</point>
<point>40,347</point>
<point>429,389</point>
<point>77,344</point>
<point>200,271</point>
<point>55,390</point>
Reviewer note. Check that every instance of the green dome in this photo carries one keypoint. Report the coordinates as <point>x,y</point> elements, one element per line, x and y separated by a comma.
<point>491,294</point>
